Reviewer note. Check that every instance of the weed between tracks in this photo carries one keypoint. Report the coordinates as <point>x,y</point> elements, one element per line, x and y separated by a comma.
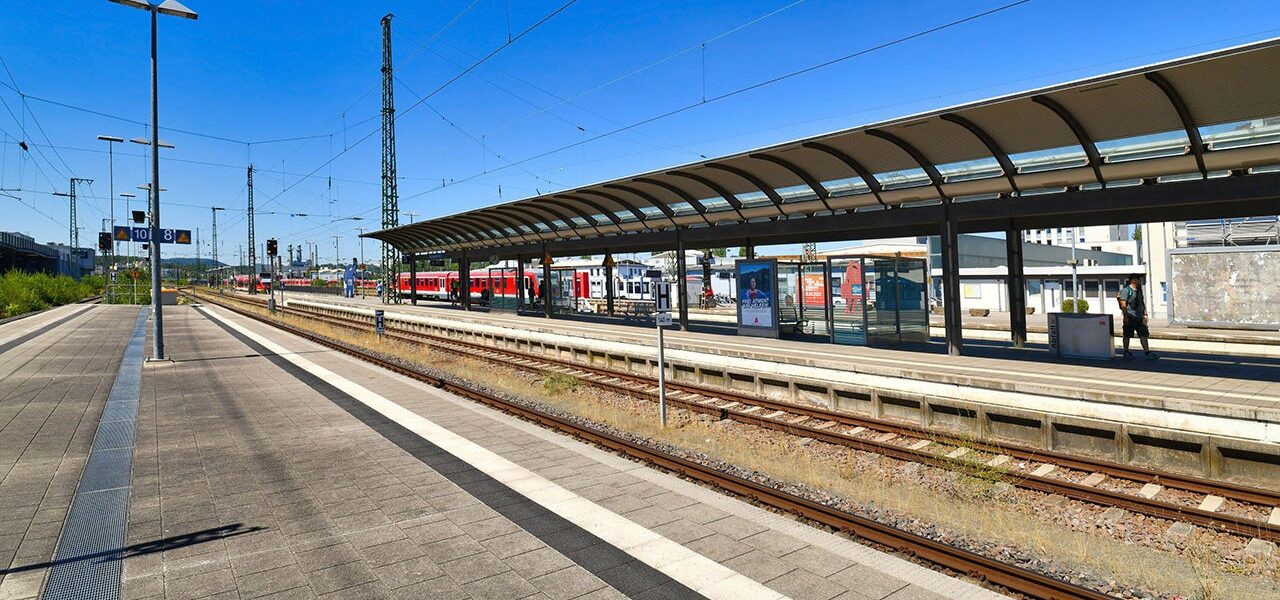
<point>953,506</point>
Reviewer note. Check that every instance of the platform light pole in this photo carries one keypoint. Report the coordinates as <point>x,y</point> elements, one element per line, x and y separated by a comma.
<point>111,141</point>
<point>1075,278</point>
<point>175,9</point>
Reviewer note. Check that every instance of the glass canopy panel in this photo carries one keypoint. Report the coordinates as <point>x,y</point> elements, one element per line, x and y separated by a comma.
<point>1155,145</point>
<point>851,186</point>
<point>715,204</point>
<point>681,209</point>
<point>753,199</point>
<point>797,193</point>
<point>970,170</point>
<point>1052,159</point>
<point>653,212</point>
<point>1241,134</point>
<point>579,222</point>
<point>625,216</point>
<point>907,178</point>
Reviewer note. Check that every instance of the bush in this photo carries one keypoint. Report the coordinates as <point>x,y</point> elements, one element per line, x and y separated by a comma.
<point>21,293</point>
<point>1080,305</point>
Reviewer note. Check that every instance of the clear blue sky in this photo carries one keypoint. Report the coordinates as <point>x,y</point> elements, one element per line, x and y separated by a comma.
<point>257,71</point>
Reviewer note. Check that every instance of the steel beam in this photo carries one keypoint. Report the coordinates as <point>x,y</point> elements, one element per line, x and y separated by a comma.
<point>1086,142</point>
<point>809,180</point>
<point>1184,115</point>
<point>631,208</point>
<point>927,165</point>
<point>1002,157</point>
<point>681,276</point>
<point>873,184</point>
<point>951,282</point>
<point>714,187</point>
<point>760,184</point>
<point>664,207</point>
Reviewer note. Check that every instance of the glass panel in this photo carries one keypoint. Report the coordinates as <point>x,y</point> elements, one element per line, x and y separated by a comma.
<point>562,290</point>
<point>788,293</point>
<point>813,298</point>
<point>847,187</point>
<point>504,295</point>
<point>912,301</point>
<point>1155,145</point>
<point>906,178</point>
<point>797,193</point>
<point>969,170</point>
<point>847,326</point>
<point>751,199</point>
<point>680,208</point>
<point>1052,159</point>
<point>1240,134</point>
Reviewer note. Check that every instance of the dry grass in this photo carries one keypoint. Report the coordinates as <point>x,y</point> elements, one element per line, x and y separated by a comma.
<point>966,508</point>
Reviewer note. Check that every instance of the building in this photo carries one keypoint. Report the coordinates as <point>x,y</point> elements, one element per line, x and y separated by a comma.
<point>22,252</point>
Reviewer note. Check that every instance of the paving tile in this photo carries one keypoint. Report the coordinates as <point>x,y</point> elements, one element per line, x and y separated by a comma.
<point>200,586</point>
<point>391,552</point>
<point>568,583</point>
<point>503,586</point>
<point>867,581</point>
<point>474,567</point>
<point>408,572</point>
<point>537,563</point>
<point>264,583</point>
<point>803,584</point>
<point>340,577</point>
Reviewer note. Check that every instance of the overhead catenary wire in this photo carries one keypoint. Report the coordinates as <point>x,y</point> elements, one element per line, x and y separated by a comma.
<point>742,90</point>
<point>438,89</point>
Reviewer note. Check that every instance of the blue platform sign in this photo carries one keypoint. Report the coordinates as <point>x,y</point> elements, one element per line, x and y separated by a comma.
<point>143,234</point>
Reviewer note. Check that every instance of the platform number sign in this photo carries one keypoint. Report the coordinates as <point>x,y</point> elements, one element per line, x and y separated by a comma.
<point>143,234</point>
<point>379,322</point>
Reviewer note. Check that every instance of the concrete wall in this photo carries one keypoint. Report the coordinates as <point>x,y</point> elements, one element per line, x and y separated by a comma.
<point>1226,287</point>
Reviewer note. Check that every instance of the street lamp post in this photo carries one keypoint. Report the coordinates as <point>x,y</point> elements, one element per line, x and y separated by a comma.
<point>175,9</point>
<point>128,209</point>
<point>361,230</point>
<point>111,141</point>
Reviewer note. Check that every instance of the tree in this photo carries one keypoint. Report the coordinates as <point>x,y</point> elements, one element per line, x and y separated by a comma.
<point>1137,233</point>
<point>720,252</point>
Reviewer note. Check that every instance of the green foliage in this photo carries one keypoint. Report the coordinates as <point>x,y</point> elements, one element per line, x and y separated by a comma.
<point>559,383</point>
<point>22,293</point>
<point>1080,305</point>
<point>720,252</point>
<point>317,282</point>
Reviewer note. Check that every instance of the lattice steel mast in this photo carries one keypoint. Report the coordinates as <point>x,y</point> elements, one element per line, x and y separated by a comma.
<point>253,256</point>
<point>73,236</point>
<point>390,197</point>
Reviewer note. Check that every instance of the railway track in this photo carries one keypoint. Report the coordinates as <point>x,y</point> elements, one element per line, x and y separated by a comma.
<point>1011,577</point>
<point>1194,500</point>
<point>1071,476</point>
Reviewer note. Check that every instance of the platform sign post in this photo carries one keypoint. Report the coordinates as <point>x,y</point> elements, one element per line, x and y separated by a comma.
<point>661,319</point>
<point>379,324</point>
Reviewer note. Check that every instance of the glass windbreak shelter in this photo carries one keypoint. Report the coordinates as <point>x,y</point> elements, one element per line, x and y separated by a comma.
<point>878,300</point>
<point>563,294</point>
<point>505,289</point>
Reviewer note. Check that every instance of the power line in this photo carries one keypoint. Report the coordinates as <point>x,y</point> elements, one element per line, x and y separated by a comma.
<point>435,91</point>
<point>743,90</point>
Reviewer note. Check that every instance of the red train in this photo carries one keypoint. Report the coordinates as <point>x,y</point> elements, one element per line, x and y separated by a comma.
<point>437,284</point>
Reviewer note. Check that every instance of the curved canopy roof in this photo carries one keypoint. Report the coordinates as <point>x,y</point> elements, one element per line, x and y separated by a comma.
<point>1194,116</point>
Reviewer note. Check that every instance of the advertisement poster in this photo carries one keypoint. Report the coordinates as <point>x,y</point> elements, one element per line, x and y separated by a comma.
<point>814,289</point>
<point>755,294</point>
<point>851,287</point>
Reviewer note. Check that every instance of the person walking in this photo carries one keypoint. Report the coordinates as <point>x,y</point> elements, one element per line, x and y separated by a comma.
<point>1133,311</point>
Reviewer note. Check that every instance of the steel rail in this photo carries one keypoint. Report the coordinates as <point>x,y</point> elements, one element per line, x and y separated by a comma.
<point>1147,506</point>
<point>1011,577</point>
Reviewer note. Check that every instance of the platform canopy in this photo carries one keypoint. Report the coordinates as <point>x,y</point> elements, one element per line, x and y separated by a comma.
<point>1200,118</point>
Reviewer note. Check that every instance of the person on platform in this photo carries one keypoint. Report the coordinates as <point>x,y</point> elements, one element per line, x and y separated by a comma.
<point>1133,311</point>
<point>379,289</point>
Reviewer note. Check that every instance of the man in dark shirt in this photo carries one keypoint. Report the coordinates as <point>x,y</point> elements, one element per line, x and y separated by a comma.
<point>1133,311</point>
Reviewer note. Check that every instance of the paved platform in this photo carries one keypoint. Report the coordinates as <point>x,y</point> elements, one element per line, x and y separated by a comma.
<point>1233,387</point>
<point>266,466</point>
<point>56,372</point>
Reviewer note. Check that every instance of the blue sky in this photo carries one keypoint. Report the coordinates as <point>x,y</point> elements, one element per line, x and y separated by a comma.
<point>262,71</point>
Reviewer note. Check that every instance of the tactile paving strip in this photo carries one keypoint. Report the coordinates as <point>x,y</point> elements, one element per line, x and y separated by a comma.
<point>88,563</point>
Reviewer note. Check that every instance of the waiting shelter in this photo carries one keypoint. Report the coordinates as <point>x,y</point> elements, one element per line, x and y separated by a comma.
<point>1189,138</point>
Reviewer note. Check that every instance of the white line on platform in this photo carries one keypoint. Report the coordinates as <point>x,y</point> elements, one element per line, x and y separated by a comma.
<point>694,570</point>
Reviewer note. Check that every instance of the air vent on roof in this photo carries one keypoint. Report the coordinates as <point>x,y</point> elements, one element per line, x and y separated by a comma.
<point>1097,87</point>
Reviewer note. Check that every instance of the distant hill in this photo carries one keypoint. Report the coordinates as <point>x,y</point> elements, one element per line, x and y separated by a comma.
<point>189,262</point>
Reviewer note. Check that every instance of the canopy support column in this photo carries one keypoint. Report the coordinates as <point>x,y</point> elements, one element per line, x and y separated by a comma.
<point>464,285</point>
<point>520,285</point>
<point>951,281</point>
<point>413,279</point>
<point>608,283</point>
<point>682,297</point>
<point>546,282</point>
<point>1016,286</point>
<point>751,249</point>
